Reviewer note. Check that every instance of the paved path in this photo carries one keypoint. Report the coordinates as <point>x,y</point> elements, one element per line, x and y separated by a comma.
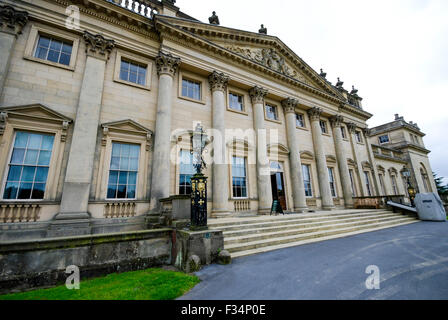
<point>413,263</point>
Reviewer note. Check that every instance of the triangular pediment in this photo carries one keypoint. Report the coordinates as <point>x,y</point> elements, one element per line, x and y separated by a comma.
<point>262,50</point>
<point>35,111</point>
<point>127,125</point>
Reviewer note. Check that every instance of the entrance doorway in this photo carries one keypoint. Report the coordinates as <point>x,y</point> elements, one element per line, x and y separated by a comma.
<point>278,184</point>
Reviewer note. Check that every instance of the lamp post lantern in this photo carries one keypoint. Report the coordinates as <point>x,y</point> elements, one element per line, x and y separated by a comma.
<point>198,182</point>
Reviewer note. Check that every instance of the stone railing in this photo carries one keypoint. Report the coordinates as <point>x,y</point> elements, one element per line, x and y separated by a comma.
<point>241,205</point>
<point>387,152</point>
<point>19,212</point>
<point>142,7</point>
<point>374,202</point>
<point>119,209</point>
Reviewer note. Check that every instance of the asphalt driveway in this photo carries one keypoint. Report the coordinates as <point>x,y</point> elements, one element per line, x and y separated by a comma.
<point>412,261</point>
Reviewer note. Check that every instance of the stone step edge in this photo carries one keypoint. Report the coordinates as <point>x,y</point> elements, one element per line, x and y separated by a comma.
<point>262,243</point>
<point>244,253</point>
<point>234,221</point>
<point>309,224</point>
<point>308,229</point>
<point>303,221</point>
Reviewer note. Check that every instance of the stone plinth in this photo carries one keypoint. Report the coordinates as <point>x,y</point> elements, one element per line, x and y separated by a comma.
<point>204,244</point>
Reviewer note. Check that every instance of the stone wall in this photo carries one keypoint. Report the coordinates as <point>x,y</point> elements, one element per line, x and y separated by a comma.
<point>38,263</point>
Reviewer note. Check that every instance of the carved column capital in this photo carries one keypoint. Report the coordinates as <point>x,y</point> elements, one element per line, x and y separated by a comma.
<point>314,113</point>
<point>289,105</point>
<point>366,131</point>
<point>12,20</point>
<point>351,127</point>
<point>336,121</point>
<point>97,46</point>
<point>257,94</point>
<point>167,64</point>
<point>218,81</point>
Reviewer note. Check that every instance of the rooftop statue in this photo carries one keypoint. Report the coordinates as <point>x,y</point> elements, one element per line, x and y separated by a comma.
<point>263,30</point>
<point>214,19</point>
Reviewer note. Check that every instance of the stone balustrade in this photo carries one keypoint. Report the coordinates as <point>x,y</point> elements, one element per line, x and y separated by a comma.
<point>241,205</point>
<point>119,209</point>
<point>19,212</point>
<point>142,7</point>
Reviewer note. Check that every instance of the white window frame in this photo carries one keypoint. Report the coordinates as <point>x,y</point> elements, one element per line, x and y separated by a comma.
<point>183,75</point>
<point>310,181</point>
<point>109,169</point>
<point>385,135</point>
<point>246,177</point>
<point>132,58</point>
<point>332,182</point>
<point>33,38</point>
<point>50,165</point>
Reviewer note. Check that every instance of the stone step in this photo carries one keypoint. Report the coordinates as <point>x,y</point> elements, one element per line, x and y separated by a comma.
<point>237,225</point>
<point>234,232</point>
<point>219,223</point>
<point>243,253</point>
<point>294,238</point>
<point>304,228</point>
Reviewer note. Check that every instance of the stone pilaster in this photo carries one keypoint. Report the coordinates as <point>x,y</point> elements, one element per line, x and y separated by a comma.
<point>298,188</point>
<point>352,129</point>
<point>73,216</point>
<point>167,67</point>
<point>321,159</point>
<point>218,85</point>
<point>12,22</point>
<point>336,122</point>
<point>257,95</point>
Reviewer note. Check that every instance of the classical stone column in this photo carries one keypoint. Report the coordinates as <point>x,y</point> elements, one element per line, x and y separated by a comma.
<point>336,122</point>
<point>376,178</point>
<point>78,177</point>
<point>11,23</point>
<point>167,66</point>
<point>352,130</point>
<point>257,95</point>
<point>298,188</point>
<point>321,159</point>
<point>218,85</point>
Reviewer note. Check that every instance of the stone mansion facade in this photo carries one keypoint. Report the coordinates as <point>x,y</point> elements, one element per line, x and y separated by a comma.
<point>98,96</point>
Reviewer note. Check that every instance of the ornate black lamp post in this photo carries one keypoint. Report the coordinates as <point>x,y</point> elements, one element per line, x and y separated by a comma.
<point>411,190</point>
<point>198,183</point>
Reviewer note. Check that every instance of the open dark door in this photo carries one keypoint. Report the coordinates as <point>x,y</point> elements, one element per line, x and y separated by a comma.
<point>278,188</point>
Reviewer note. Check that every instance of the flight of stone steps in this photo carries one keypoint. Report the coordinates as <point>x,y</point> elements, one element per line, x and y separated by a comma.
<point>250,235</point>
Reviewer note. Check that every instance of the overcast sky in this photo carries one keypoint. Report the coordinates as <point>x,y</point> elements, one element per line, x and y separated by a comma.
<point>395,52</point>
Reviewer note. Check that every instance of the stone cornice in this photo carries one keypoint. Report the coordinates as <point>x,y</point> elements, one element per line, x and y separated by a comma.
<point>257,94</point>
<point>12,20</point>
<point>343,107</point>
<point>167,64</point>
<point>409,145</point>
<point>114,14</point>
<point>224,33</point>
<point>289,105</point>
<point>97,46</point>
<point>218,81</point>
<point>188,39</point>
<point>314,113</point>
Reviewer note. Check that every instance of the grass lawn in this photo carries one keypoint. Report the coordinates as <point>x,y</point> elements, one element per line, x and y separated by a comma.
<point>150,284</point>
